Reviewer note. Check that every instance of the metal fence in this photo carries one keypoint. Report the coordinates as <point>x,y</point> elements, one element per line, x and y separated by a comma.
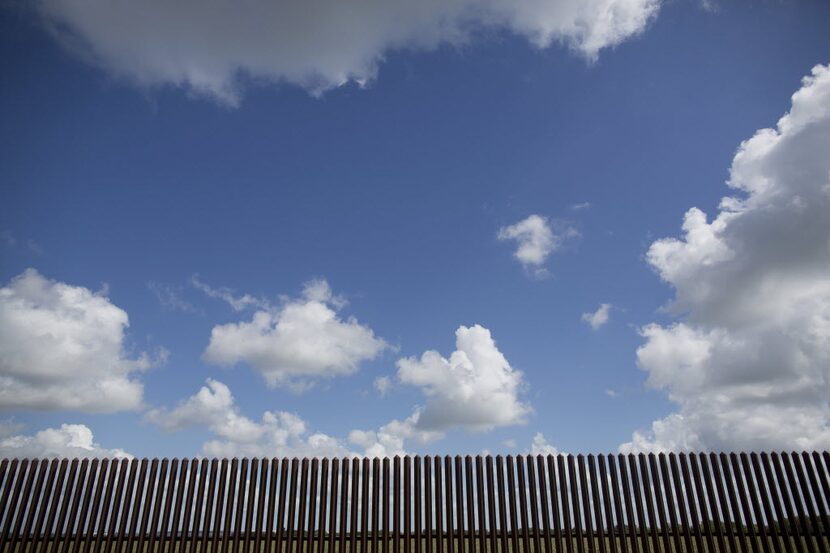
<point>773,503</point>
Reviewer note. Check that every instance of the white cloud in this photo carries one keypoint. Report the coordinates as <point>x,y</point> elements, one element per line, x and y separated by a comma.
<point>170,297</point>
<point>390,439</point>
<point>599,317</point>
<point>580,206</point>
<point>70,440</point>
<point>211,48</point>
<point>534,237</point>
<point>212,406</point>
<point>277,433</point>
<point>301,341</point>
<point>237,303</point>
<point>383,384</point>
<point>749,364</point>
<point>476,388</point>
<point>536,240</point>
<point>540,446</point>
<point>62,347</point>
<point>459,391</point>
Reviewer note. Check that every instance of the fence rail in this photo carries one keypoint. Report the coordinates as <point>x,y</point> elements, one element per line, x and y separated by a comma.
<point>767,502</point>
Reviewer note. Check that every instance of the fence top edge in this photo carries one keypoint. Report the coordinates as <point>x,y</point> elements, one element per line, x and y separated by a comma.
<point>413,457</point>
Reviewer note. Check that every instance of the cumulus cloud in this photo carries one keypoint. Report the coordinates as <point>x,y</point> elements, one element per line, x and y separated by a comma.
<point>62,347</point>
<point>749,363</point>
<point>536,240</point>
<point>476,388</point>
<point>211,48</point>
<point>297,343</point>
<point>599,317</point>
<point>212,406</point>
<point>70,440</point>
<point>277,433</point>
<point>540,446</point>
<point>534,237</point>
<point>390,439</point>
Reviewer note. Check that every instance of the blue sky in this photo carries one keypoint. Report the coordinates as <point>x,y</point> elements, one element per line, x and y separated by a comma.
<point>394,192</point>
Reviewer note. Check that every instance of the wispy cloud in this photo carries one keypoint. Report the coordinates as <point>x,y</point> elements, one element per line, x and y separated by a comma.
<point>599,317</point>
<point>237,303</point>
<point>383,384</point>
<point>9,240</point>
<point>170,297</point>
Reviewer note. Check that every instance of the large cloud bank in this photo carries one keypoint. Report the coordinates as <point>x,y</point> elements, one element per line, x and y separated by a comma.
<point>749,364</point>
<point>206,46</point>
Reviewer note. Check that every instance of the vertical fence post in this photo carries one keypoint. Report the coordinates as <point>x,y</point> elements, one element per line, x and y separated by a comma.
<point>448,503</point>
<point>302,511</point>
<point>312,507</point>
<point>264,471</point>
<point>439,507</point>
<point>598,505</point>
<point>502,504</point>
<point>292,505</point>
<point>469,485</point>
<point>386,518</point>
<point>326,512</point>
<point>428,504</point>
<point>608,506</point>
<point>335,483</point>
<point>482,527</point>
<point>586,502</point>
<point>417,491</point>
<point>376,500</point>
<point>364,508</point>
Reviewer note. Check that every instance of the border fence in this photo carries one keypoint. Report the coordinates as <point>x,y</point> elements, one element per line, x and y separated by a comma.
<point>766,502</point>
